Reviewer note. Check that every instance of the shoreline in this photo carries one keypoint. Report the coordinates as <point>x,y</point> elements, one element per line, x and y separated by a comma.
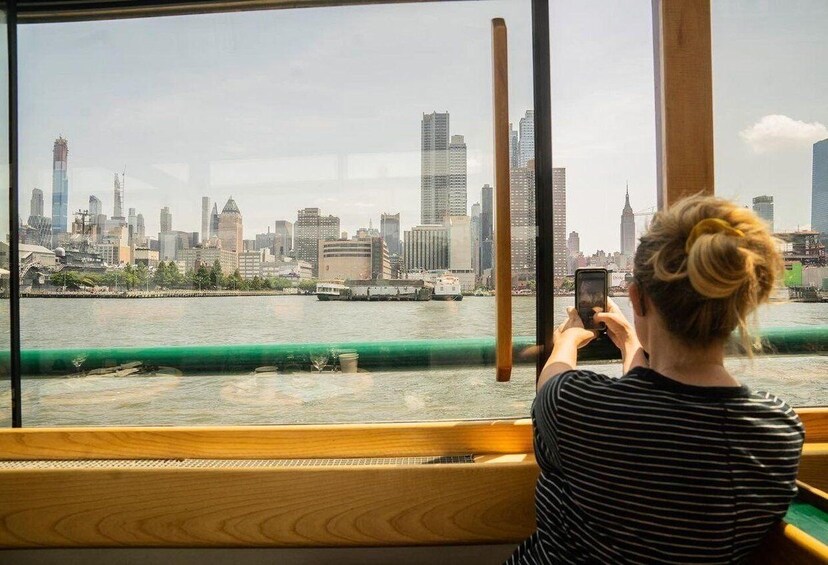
<point>160,294</point>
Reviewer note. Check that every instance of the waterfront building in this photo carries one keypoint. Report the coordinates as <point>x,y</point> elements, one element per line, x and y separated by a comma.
<point>284,238</point>
<point>426,248</point>
<point>194,257</point>
<point>475,238</point>
<point>434,167</point>
<point>250,263</point>
<point>214,221</point>
<point>819,190</point>
<point>230,227</point>
<point>205,218</point>
<point>60,186</point>
<point>166,220</point>
<point>146,256</point>
<point>311,228</point>
<point>559,223</point>
<point>526,143</point>
<point>114,251</point>
<point>486,227</point>
<point>522,200</point>
<point>763,207</point>
<point>628,228</point>
<point>460,256</point>
<point>805,247</point>
<point>36,204</point>
<point>362,259</point>
<point>118,209</point>
<point>28,254</point>
<point>458,174</point>
<point>390,232</point>
<point>171,243</point>
<point>286,268</point>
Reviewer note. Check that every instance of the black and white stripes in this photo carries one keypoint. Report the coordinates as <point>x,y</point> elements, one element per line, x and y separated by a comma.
<point>644,469</point>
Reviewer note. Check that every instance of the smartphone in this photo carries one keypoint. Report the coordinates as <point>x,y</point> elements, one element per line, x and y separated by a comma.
<point>591,289</point>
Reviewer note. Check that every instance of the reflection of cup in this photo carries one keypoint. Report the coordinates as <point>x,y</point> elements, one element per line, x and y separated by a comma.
<point>348,362</point>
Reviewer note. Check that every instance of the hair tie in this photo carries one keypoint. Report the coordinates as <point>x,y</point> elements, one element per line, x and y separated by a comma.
<point>710,226</point>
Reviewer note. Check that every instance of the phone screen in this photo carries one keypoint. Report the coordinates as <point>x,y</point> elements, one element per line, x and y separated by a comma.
<point>591,297</point>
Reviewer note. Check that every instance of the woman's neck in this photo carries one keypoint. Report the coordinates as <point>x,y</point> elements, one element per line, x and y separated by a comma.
<point>693,366</point>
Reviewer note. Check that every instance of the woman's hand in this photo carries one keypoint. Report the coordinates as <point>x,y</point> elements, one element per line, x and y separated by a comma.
<point>573,329</point>
<point>622,333</point>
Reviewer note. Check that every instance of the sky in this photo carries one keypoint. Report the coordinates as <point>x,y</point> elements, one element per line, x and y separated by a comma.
<point>299,108</point>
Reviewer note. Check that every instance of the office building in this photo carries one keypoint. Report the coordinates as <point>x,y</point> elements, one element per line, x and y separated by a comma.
<point>205,218</point>
<point>524,230</point>
<point>266,241</point>
<point>573,244</point>
<point>434,193</point>
<point>310,229</point>
<point>194,257</point>
<point>426,248</point>
<point>514,146</point>
<point>356,259</point>
<point>458,194</point>
<point>118,209</point>
<point>460,240</point>
<point>36,204</point>
<point>526,143</point>
<point>819,190</point>
<point>628,228</point>
<point>132,220</point>
<point>214,221</point>
<point>140,229</point>
<point>166,220</point>
<point>475,237</point>
<point>763,207</point>
<point>559,223</point>
<point>283,243</point>
<point>230,227</point>
<point>250,263</point>
<point>390,232</point>
<point>95,206</point>
<point>60,186</point>
<point>486,227</point>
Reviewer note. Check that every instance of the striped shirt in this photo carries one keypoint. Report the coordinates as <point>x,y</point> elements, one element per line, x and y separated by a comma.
<point>644,469</point>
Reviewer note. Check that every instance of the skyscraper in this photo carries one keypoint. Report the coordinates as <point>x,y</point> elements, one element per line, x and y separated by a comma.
<point>166,220</point>
<point>310,229</point>
<point>214,221</point>
<point>60,186</point>
<point>95,206</point>
<point>514,146</point>
<point>627,228</point>
<point>458,198</point>
<point>763,207</point>
<point>132,219</point>
<point>141,229</point>
<point>526,144</point>
<point>230,227</point>
<point>573,244</point>
<point>819,190</point>
<point>36,206</point>
<point>434,193</point>
<point>118,212</point>
<point>205,218</point>
<point>390,232</point>
<point>486,227</point>
<point>426,248</point>
<point>524,230</point>
<point>559,221</point>
<point>475,237</point>
<point>284,238</point>
<point>460,255</point>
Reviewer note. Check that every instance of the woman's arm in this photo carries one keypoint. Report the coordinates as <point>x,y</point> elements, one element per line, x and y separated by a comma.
<point>623,335</point>
<point>568,337</point>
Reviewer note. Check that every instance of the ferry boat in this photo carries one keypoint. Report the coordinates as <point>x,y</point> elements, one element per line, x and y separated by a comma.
<point>447,287</point>
<point>381,290</point>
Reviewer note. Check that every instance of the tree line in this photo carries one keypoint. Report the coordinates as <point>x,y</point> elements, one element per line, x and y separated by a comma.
<point>167,276</point>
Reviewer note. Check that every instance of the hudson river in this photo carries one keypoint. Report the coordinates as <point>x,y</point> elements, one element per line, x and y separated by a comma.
<point>304,397</point>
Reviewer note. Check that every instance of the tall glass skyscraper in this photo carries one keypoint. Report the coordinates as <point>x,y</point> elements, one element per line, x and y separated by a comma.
<point>819,189</point>
<point>628,228</point>
<point>434,168</point>
<point>60,186</point>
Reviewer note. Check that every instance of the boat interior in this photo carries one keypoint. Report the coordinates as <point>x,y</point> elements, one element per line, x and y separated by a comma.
<point>442,491</point>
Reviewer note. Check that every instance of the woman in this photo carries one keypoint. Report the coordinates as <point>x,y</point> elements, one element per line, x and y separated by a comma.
<point>675,461</point>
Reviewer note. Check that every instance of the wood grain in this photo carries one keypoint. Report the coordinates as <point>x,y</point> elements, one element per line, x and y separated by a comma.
<point>502,211</point>
<point>813,467</point>
<point>816,423</point>
<point>276,442</point>
<point>281,507</point>
<point>684,99</point>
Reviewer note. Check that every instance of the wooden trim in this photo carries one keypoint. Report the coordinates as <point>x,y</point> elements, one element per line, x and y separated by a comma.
<point>276,442</point>
<point>786,544</point>
<point>503,214</point>
<point>813,466</point>
<point>684,99</point>
<point>816,423</point>
<point>355,506</point>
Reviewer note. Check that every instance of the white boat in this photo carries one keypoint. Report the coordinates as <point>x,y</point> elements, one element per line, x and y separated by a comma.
<point>447,287</point>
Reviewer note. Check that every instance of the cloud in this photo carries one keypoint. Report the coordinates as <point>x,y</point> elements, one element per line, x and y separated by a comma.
<point>775,132</point>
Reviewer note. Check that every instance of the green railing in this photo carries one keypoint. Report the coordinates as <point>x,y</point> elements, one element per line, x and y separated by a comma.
<point>378,355</point>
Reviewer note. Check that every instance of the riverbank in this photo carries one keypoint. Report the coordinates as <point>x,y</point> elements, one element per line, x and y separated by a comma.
<point>159,293</point>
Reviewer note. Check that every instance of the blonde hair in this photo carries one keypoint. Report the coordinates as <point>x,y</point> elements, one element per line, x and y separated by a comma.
<point>706,264</point>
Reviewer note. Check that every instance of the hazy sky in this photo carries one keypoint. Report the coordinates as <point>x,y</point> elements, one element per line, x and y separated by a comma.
<point>321,107</point>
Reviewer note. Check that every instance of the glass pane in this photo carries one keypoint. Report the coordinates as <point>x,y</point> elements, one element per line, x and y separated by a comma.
<point>5,375</point>
<point>207,172</point>
<point>771,140</point>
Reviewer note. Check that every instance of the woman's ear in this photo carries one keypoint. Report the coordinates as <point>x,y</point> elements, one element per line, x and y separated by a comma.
<point>636,299</point>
